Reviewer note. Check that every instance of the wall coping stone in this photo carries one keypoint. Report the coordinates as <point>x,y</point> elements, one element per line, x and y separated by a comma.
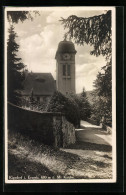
<point>44,113</point>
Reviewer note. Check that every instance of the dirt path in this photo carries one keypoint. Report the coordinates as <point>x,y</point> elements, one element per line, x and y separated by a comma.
<point>94,147</point>
<point>93,134</point>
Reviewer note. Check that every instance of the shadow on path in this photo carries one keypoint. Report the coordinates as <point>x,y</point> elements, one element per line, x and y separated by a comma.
<point>90,146</point>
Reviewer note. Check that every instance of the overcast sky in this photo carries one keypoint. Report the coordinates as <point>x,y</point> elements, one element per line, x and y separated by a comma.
<point>38,40</point>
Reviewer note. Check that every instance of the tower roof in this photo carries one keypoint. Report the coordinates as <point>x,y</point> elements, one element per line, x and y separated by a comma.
<point>65,46</point>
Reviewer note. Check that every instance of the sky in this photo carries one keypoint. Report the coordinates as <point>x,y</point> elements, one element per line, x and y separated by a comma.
<point>39,39</point>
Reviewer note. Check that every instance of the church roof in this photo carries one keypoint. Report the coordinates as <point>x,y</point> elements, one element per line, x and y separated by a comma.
<point>65,46</point>
<point>39,83</point>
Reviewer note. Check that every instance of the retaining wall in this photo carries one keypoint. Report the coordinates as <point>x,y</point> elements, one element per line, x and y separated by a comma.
<point>49,128</point>
<point>107,128</point>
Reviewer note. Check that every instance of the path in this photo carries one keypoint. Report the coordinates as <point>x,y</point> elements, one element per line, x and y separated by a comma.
<point>93,134</point>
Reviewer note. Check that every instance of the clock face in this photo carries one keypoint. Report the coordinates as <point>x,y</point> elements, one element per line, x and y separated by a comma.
<point>66,56</point>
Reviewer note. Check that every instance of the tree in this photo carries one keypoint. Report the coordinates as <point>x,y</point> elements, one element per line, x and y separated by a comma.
<point>14,71</point>
<point>95,31</point>
<point>15,16</point>
<point>103,82</point>
<point>33,104</point>
<point>103,95</point>
<point>65,105</point>
<point>83,105</point>
<point>15,66</point>
<point>85,108</point>
<point>83,94</point>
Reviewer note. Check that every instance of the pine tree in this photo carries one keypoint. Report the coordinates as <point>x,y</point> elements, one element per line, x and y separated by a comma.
<point>16,16</point>
<point>85,108</point>
<point>83,104</point>
<point>14,69</point>
<point>83,94</point>
<point>95,31</point>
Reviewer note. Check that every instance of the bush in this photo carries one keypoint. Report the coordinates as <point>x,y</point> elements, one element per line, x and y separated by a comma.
<point>63,104</point>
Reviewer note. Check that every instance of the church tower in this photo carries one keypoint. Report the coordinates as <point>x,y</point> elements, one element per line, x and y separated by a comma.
<point>65,67</point>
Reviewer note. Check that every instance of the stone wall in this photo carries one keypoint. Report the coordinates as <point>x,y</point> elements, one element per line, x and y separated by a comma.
<point>49,128</point>
<point>107,128</point>
<point>68,132</point>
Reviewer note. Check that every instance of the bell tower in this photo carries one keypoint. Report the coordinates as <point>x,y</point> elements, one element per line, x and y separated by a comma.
<point>65,67</point>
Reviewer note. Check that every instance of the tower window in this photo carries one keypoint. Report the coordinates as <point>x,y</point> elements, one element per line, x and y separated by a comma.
<point>64,70</point>
<point>68,70</point>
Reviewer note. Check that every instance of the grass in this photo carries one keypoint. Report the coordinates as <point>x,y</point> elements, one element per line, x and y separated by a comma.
<point>27,157</point>
<point>24,167</point>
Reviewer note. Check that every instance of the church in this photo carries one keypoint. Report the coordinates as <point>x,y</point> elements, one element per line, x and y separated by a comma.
<point>42,85</point>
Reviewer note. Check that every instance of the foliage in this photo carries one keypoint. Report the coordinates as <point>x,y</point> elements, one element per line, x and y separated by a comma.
<point>103,96</point>
<point>95,31</point>
<point>103,83</point>
<point>83,104</point>
<point>63,104</point>
<point>33,104</point>
<point>102,110</point>
<point>15,16</point>
<point>37,106</point>
<point>85,108</point>
<point>14,70</point>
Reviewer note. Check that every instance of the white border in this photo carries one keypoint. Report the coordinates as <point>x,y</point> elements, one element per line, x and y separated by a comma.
<point>114,167</point>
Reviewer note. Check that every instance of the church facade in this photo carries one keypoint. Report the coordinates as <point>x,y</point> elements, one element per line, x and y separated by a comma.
<point>42,85</point>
